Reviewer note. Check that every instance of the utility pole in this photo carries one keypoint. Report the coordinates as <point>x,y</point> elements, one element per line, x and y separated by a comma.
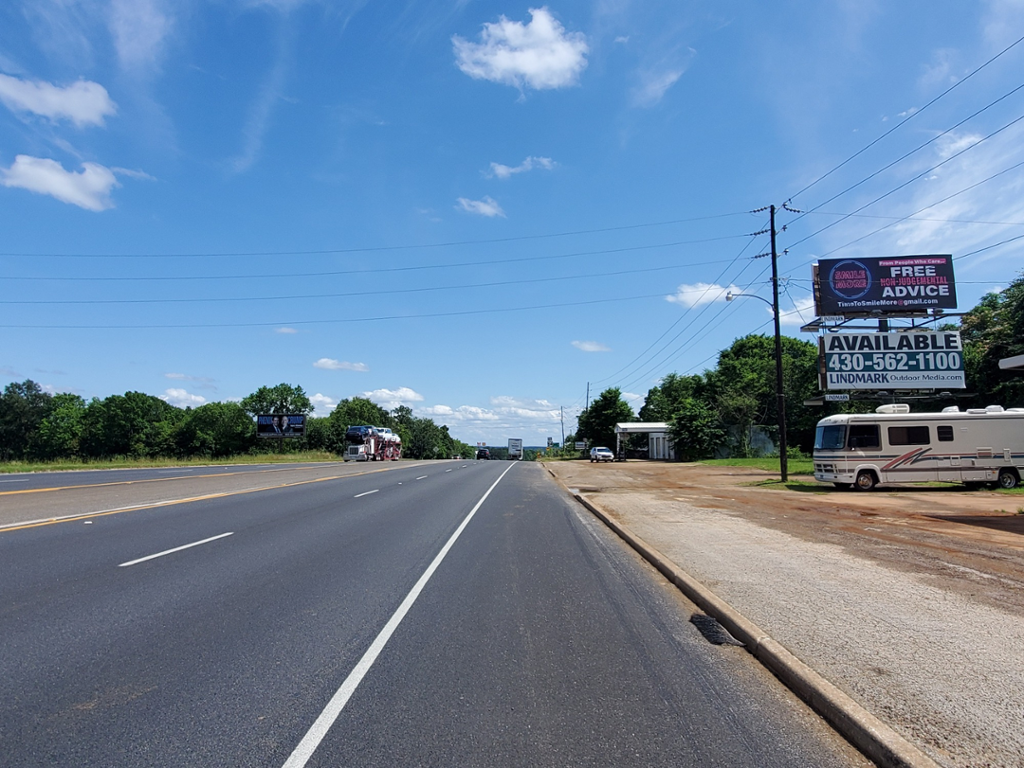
<point>779,394</point>
<point>561,418</point>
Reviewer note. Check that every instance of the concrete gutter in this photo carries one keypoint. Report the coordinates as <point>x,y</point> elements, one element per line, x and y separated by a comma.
<point>871,736</point>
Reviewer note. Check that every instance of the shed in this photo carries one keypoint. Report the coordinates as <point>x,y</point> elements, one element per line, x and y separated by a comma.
<point>659,444</point>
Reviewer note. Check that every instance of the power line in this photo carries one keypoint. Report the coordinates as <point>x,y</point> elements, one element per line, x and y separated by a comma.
<point>334,321</point>
<point>911,116</point>
<point>371,249</point>
<point>383,292</point>
<point>378,270</point>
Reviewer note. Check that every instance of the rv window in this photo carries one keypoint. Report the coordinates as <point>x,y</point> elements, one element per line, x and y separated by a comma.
<point>945,434</point>
<point>864,436</point>
<point>908,436</point>
<point>829,438</point>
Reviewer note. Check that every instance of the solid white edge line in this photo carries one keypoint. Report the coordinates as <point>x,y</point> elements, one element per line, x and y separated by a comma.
<point>176,549</point>
<point>367,493</point>
<point>300,756</point>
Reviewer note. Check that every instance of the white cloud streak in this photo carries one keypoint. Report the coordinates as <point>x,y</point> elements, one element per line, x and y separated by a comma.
<point>539,55</point>
<point>181,398</point>
<point>699,294</point>
<point>323,403</point>
<point>83,102</point>
<point>328,364</point>
<point>392,398</point>
<point>139,28</point>
<point>90,188</point>
<point>591,346</point>
<point>486,207</point>
<point>500,171</point>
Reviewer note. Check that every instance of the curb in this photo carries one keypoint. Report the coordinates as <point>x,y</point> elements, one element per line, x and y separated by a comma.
<point>871,736</point>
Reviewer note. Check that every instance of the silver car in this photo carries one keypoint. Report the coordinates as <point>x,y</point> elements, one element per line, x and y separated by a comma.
<point>601,454</point>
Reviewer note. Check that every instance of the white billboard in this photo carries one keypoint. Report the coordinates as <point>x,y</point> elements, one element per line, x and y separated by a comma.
<point>914,360</point>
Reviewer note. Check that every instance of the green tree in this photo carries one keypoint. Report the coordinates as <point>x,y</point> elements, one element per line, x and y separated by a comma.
<point>283,398</point>
<point>23,406</point>
<point>696,430</point>
<point>663,400</point>
<point>60,432</point>
<point>992,330</point>
<point>597,423</point>
<point>133,424</point>
<point>215,429</point>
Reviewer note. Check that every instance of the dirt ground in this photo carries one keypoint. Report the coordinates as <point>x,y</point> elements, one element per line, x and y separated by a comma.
<point>970,541</point>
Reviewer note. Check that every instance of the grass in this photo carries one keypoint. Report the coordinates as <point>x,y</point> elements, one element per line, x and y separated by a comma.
<point>795,466</point>
<point>128,463</point>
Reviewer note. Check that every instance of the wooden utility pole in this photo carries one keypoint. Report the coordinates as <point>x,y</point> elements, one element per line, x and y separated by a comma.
<point>780,396</point>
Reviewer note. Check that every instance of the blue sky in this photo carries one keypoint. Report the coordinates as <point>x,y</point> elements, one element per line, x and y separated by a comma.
<point>470,207</point>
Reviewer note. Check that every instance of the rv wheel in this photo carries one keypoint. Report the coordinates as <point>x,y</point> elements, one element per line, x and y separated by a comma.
<point>866,481</point>
<point>1008,478</point>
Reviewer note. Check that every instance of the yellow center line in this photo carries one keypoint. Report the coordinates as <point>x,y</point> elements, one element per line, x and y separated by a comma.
<point>151,480</point>
<point>172,502</point>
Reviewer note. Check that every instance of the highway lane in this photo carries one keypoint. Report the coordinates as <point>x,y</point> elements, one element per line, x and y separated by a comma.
<point>539,640</point>
<point>24,481</point>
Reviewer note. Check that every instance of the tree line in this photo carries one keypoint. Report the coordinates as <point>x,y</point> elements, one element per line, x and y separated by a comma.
<point>38,426</point>
<point>716,409</point>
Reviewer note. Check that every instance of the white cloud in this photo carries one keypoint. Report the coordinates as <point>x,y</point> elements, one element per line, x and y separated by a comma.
<point>485,207</point>
<point>181,398</point>
<point>83,102</point>
<point>328,364</point>
<point>591,346</point>
<point>539,55</point>
<point>505,171</point>
<point>392,398</point>
<point>89,189</point>
<point>700,293</point>
<point>800,313</point>
<point>653,86</point>
<point>139,28</point>
<point>286,329</point>
<point>323,403</point>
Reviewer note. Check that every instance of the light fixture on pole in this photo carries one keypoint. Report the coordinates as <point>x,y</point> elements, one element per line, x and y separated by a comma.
<point>780,397</point>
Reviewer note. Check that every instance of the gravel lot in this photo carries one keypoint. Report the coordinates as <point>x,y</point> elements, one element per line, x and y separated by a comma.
<point>909,599</point>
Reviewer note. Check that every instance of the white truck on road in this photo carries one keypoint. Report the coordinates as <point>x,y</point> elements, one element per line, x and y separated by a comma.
<point>893,445</point>
<point>515,448</point>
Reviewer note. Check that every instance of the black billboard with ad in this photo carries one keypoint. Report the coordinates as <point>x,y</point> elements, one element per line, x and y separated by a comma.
<point>892,285</point>
<point>281,425</point>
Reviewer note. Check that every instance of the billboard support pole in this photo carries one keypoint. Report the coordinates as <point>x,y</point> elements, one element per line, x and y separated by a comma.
<point>779,393</point>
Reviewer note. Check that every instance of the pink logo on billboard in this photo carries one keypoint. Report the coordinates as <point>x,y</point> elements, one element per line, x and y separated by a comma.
<point>850,279</point>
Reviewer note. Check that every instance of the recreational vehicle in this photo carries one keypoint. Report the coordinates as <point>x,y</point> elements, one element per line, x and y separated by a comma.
<point>893,445</point>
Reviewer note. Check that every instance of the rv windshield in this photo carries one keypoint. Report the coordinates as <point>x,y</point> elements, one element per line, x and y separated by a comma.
<point>829,438</point>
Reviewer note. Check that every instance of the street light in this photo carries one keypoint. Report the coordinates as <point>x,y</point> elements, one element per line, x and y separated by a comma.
<point>780,397</point>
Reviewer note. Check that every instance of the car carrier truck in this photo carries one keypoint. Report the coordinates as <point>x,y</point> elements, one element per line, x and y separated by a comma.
<point>893,445</point>
<point>365,443</point>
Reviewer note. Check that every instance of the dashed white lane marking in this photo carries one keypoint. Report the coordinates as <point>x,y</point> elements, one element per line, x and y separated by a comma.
<point>447,470</point>
<point>304,751</point>
<point>19,480</point>
<point>176,549</point>
<point>367,493</point>
<point>422,477</point>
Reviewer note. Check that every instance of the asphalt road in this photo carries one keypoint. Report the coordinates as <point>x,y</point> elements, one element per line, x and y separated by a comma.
<point>385,618</point>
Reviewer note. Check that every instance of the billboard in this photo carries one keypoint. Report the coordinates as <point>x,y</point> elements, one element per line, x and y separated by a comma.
<point>281,425</point>
<point>891,285</point>
<point>932,360</point>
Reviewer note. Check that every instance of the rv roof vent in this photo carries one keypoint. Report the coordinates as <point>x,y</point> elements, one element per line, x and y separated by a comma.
<point>976,410</point>
<point>993,409</point>
<point>951,409</point>
<point>893,408</point>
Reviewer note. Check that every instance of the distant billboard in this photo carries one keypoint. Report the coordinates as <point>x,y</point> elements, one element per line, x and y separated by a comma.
<point>891,285</point>
<point>281,425</point>
<point>931,360</point>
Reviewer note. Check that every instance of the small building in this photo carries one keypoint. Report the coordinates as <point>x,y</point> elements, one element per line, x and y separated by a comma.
<point>659,444</point>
